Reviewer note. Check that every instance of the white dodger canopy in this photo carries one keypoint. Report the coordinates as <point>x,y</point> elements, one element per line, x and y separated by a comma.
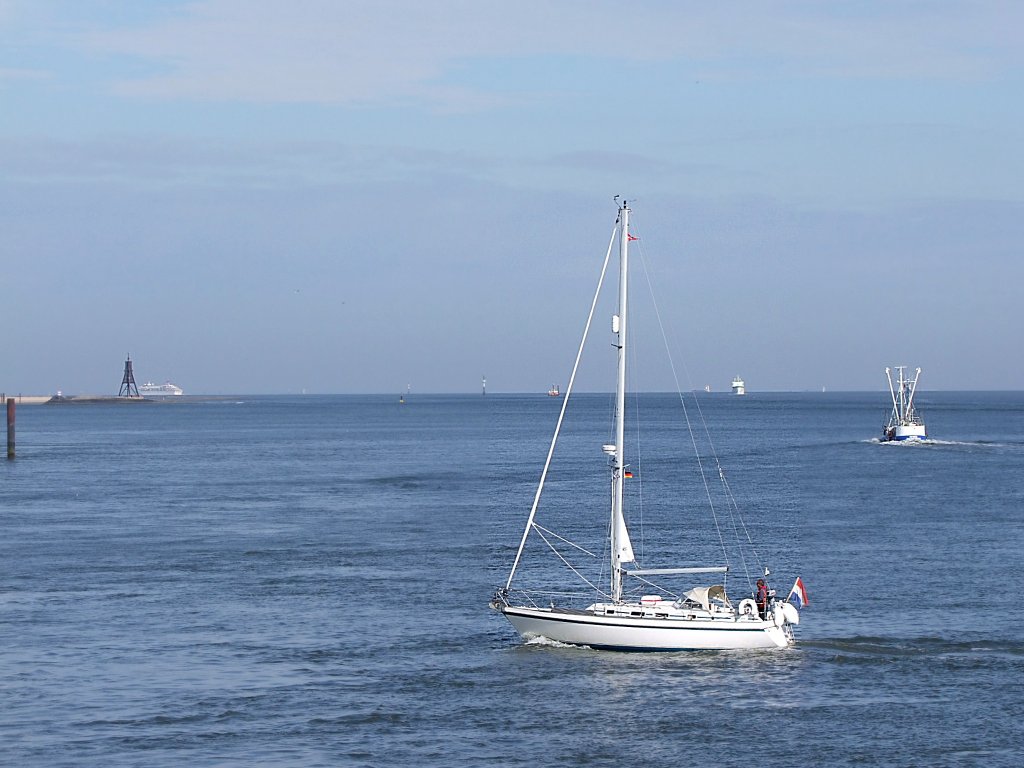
<point>704,595</point>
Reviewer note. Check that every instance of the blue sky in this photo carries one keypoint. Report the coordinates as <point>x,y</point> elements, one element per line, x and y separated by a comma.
<point>330,196</point>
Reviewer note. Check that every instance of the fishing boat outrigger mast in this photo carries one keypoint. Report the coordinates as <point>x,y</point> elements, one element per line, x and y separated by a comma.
<point>904,422</point>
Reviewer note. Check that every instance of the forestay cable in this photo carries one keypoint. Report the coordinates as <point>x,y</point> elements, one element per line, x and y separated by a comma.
<point>561,413</point>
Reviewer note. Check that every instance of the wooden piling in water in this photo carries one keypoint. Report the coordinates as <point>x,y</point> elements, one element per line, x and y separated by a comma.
<point>10,427</point>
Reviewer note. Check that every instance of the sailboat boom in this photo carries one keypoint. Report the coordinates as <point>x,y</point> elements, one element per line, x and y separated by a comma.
<point>671,571</point>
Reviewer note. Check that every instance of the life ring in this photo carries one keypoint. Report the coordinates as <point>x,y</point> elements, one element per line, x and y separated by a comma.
<point>748,607</point>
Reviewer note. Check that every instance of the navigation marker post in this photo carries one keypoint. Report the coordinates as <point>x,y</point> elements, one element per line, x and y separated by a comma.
<point>10,427</point>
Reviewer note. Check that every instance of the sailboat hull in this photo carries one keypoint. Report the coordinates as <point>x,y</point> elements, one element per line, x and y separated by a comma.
<point>646,634</point>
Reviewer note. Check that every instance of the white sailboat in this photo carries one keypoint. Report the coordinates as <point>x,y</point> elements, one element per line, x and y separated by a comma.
<point>623,617</point>
<point>904,422</point>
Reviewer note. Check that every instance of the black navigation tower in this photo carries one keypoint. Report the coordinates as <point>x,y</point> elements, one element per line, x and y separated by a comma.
<point>128,388</point>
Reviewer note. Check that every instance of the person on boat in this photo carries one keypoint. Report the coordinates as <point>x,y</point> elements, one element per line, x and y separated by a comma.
<point>762,598</point>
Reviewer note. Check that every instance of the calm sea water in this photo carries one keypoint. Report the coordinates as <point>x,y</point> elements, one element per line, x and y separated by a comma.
<point>304,581</point>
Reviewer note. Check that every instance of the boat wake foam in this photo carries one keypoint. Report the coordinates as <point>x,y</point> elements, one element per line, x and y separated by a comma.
<point>549,643</point>
<point>932,441</point>
<point>915,646</point>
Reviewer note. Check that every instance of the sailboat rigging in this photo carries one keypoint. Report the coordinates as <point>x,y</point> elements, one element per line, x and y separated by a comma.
<point>702,617</point>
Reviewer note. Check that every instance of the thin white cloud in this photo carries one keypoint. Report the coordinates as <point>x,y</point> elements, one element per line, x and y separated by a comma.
<point>21,75</point>
<point>157,162</point>
<point>395,51</point>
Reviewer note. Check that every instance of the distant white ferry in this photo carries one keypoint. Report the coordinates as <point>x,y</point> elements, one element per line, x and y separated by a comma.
<point>149,389</point>
<point>738,387</point>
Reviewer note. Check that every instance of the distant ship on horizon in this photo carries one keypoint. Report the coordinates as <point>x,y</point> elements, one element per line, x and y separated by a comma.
<point>738,386</point>
<point>149,389</point>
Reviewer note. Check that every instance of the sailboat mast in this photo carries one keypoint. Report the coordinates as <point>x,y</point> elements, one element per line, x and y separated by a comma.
<point>619,537</point>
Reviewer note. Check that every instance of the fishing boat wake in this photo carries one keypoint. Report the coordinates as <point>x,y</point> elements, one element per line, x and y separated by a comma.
<point>929,441</point>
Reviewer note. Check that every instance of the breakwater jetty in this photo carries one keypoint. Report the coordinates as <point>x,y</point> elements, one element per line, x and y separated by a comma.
<point>60,399</point>
<point>94,399</point>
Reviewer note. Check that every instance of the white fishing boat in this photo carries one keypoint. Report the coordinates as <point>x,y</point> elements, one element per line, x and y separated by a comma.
<point>635,612</point>
<point>904,422</point>
<point>739,387</point>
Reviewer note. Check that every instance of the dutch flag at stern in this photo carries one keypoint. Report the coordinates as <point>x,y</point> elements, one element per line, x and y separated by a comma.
<point>798,594</point>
